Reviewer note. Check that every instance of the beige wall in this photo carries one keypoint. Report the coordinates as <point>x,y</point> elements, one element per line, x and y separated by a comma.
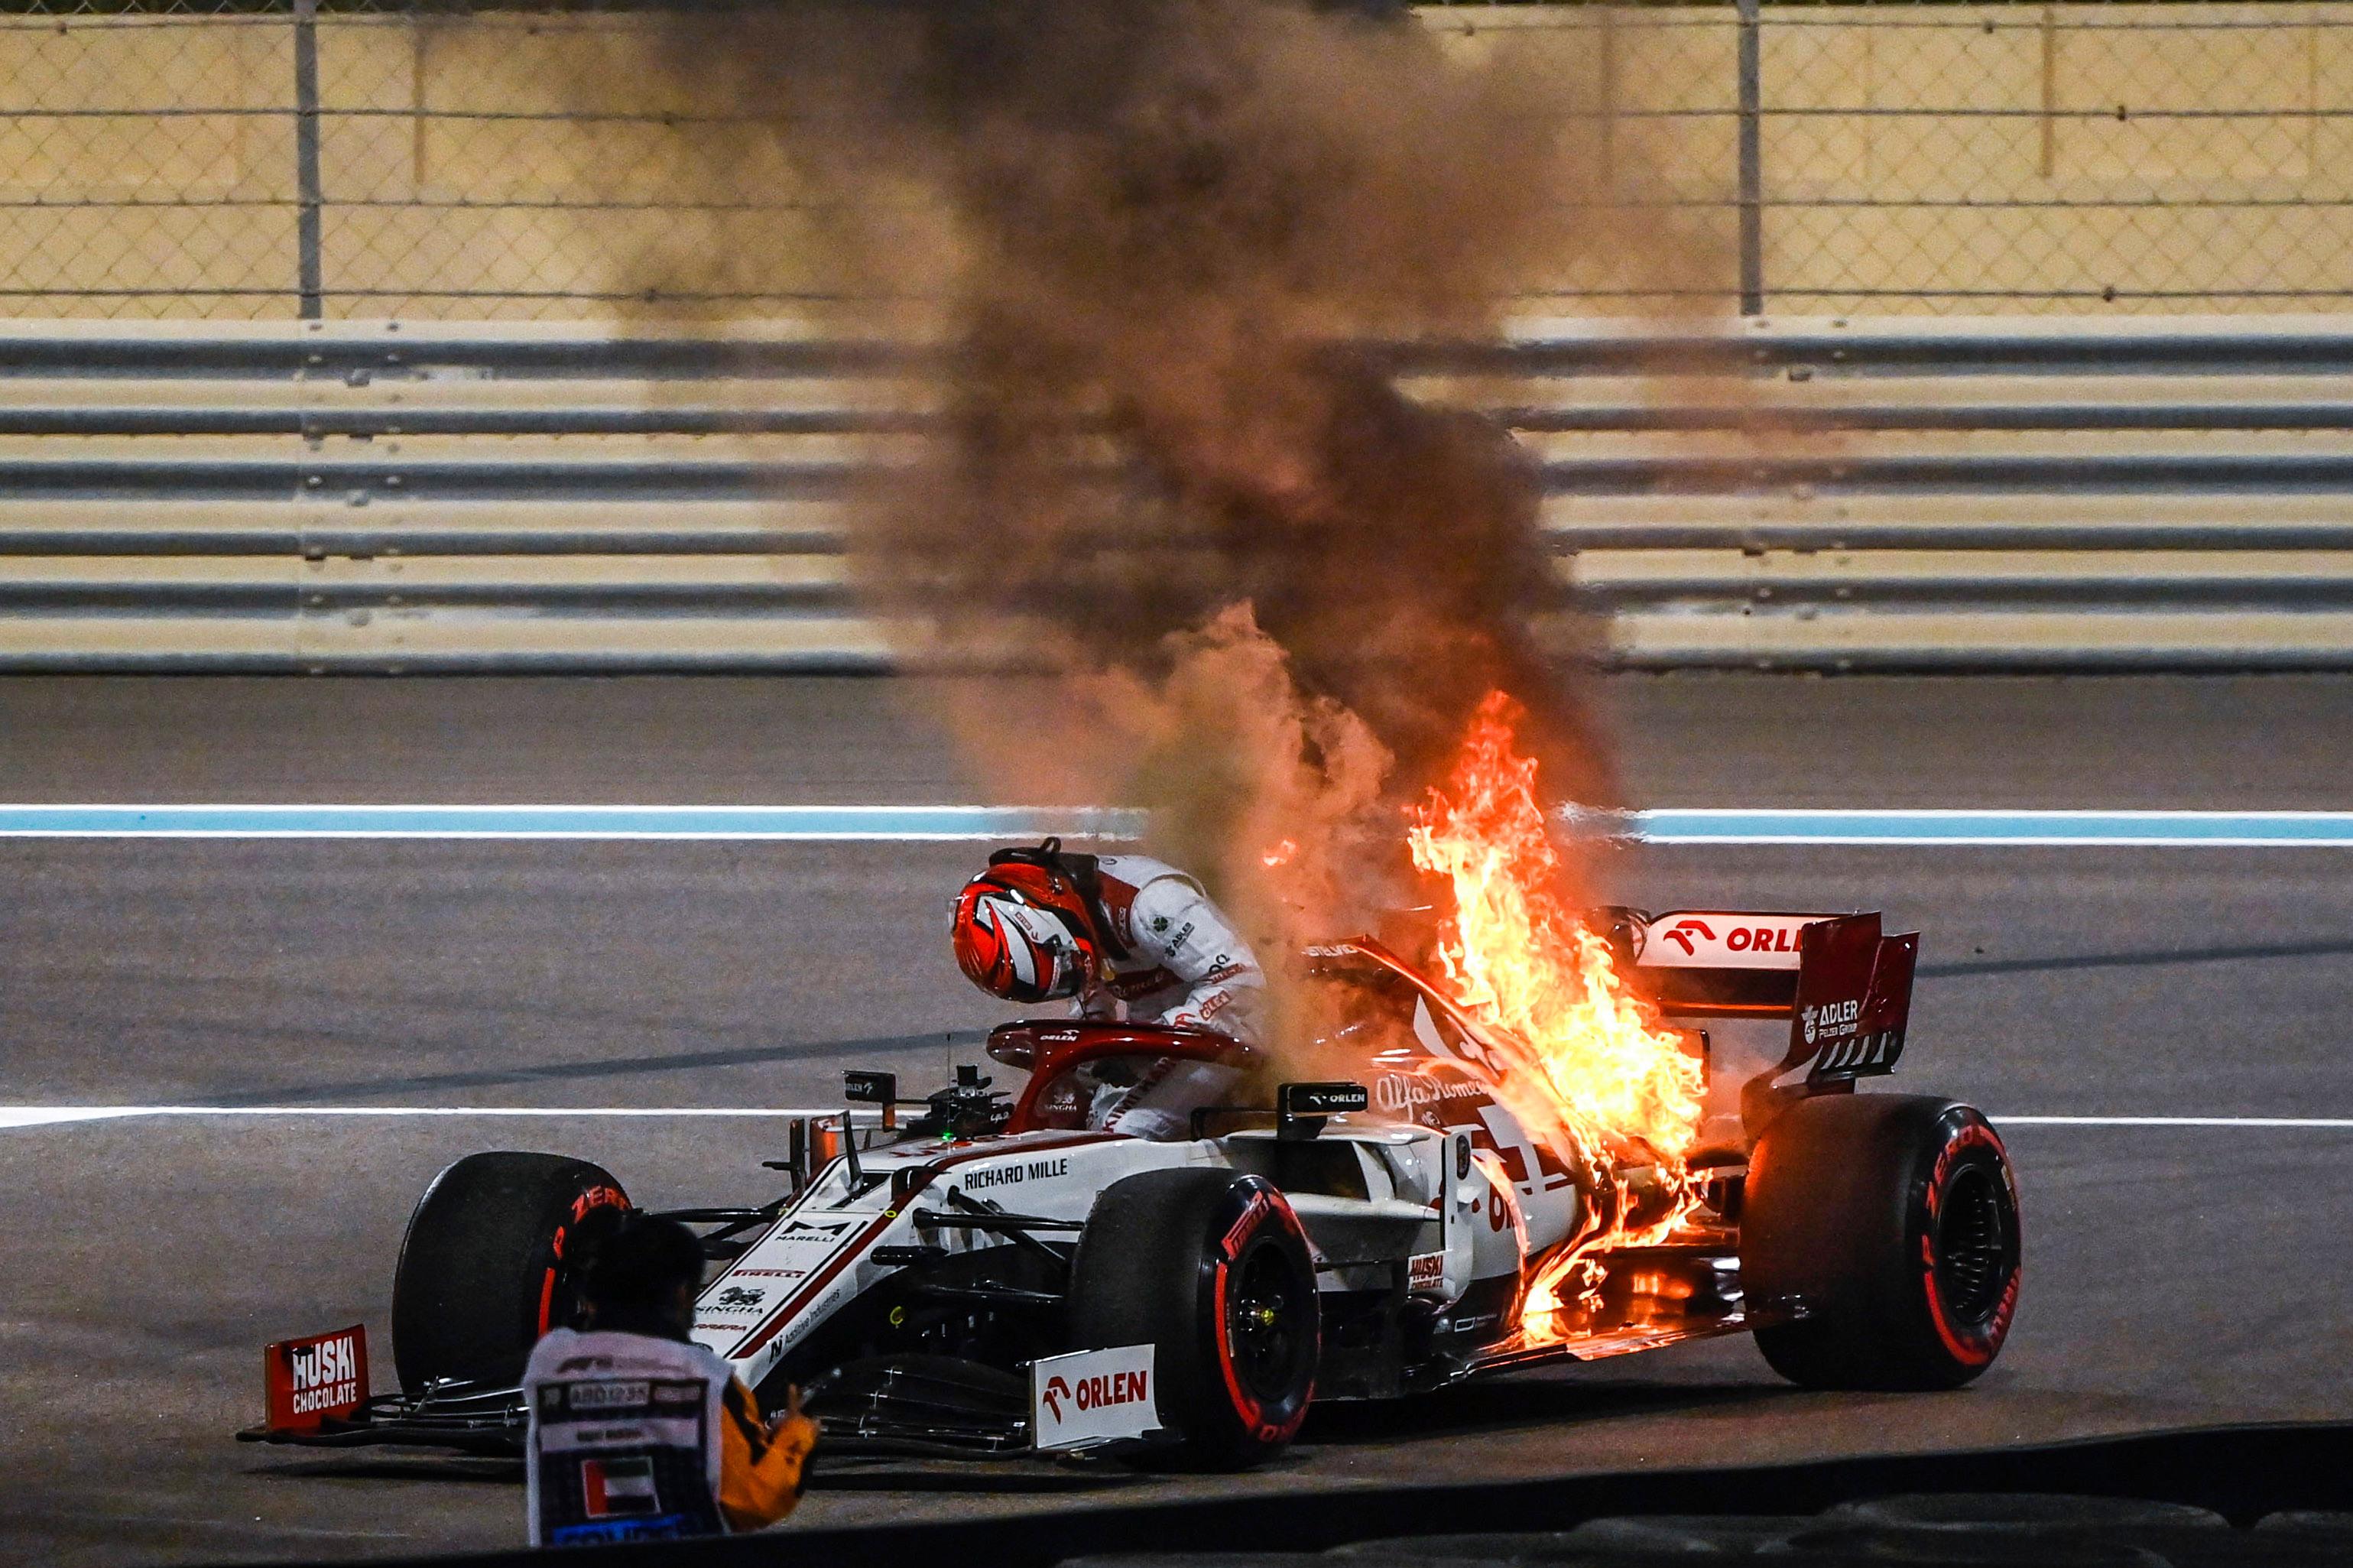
<point>424,203</point>
<point>2034,183</point>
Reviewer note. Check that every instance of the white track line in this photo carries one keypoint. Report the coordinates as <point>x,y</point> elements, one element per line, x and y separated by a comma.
<point>2283,1121</point>
<point>21,1116</point>
<point>41,1115</point>
<point>329,820</point>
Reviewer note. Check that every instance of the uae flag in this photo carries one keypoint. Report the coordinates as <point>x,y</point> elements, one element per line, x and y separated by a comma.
<point>609,1487</point>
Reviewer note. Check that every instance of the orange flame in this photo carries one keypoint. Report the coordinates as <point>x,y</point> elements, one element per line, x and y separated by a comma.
<point>1597,1060</point>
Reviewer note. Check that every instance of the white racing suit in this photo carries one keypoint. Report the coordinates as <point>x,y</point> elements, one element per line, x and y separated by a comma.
<point>1173,958</point>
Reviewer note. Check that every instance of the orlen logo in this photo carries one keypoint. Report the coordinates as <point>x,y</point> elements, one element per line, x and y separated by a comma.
<point>1098,1393</point>
<point>1681,933</point>
<point>1716,939</point>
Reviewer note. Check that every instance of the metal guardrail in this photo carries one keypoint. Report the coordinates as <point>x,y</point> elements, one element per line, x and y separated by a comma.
<point>1807,494</point>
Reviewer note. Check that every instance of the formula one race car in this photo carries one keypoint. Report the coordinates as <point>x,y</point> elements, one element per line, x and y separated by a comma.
<point>991,1275</point>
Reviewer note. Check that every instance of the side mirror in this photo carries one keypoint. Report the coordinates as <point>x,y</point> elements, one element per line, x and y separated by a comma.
<point>1301,1109</point>
<point>1013,1044</point>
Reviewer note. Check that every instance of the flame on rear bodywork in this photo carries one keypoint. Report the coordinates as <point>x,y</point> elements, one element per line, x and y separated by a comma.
<point>1588,1056</point>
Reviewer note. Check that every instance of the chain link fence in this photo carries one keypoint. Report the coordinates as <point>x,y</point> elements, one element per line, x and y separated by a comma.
<point>279,158</point>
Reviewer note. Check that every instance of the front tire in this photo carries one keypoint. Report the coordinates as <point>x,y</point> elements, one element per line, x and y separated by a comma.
<point>482,1272</point>
<point>1891,1220</point>
<point>1212,1269</point>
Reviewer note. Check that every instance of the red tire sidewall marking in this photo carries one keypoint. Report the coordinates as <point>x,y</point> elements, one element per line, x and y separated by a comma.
<point>1228,1251</point>
<point>1969,1348</point>
<point>1247,1407</point>
<point>601,1196</point>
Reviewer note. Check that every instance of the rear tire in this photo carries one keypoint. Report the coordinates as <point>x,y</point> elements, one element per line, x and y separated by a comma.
<point>1212,1269</point>
<point>481,1273</point>
<point>1892,1220</point>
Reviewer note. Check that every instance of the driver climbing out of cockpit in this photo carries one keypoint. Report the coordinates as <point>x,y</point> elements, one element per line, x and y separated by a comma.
<point>1127,939</point>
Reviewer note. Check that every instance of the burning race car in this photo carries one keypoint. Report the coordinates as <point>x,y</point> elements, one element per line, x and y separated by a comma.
<point>985,1272</point>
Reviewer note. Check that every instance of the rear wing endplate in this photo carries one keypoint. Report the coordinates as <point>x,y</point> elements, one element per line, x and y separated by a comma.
<point>1843,984</point>
<point>1853,999</point>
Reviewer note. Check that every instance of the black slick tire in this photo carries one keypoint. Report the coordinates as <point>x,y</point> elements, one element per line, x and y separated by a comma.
<point>1892,1223</point>
<point>1212,1269</point>
<point>482,1272</point>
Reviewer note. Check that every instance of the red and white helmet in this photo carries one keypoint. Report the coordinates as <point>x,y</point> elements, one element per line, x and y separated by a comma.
<point>1022,930</point>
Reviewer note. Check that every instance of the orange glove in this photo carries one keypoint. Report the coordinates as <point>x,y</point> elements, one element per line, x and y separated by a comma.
<point>761,1465</point>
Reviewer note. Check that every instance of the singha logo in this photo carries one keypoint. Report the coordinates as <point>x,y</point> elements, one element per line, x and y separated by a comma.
<point>739,1296</point>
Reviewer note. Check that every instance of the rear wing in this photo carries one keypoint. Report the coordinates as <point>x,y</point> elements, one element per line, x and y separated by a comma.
<point>1844,985</point>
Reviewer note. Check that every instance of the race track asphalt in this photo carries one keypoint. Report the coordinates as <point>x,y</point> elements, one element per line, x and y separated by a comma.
<point>2176,1275</point>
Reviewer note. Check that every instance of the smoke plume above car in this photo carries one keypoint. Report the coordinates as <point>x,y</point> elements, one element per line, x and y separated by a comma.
<point>1153,243</point>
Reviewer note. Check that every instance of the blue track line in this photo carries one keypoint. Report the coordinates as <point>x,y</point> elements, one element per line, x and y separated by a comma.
<point>1957,829</point>
<point>2176,830</point>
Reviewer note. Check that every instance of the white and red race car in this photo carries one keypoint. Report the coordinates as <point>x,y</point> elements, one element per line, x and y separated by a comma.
<point>990,1276</point>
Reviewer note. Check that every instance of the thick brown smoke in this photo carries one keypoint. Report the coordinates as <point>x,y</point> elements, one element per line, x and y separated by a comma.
<point>1164,232</point>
